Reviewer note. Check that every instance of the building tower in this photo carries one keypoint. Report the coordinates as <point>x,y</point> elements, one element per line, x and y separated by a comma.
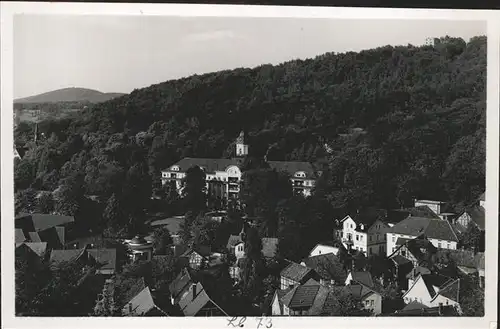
<point>241,147</point>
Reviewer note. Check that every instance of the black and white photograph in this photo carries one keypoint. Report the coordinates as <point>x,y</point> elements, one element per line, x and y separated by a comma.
<point>249,167</point>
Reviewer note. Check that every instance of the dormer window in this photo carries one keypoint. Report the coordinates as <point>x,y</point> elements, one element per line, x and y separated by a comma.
<point>175,168</point>
<point>300,174</point>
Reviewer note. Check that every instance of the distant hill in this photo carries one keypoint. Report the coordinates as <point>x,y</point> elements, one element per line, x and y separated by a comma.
<point>70,95</point>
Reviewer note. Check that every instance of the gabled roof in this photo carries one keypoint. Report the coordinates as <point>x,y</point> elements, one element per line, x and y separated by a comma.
<point>41,222</point>
<point>106,258</point>
<point>142,304</point>
<point>366,217</point>
<point>233,241</point>
<point>38,248</point>
<point>364,278</point>
<point>180,283</point>
<point>451,290</point>
<point>400,260</point>
<point>360,291</point>
<point>435,280</point>
<point>210,165</point>
<point>295,272</point>
<point>477,215</point>
<point>58,256</point>
<point>322,265</point>
<point>301,297</point>
<point>191,306</point>
<point>482,197</point>
<point>432,228</point>
<point>292,167</point>
<point>203,251</point>
<point>269,247</point>
<point>20,235</point>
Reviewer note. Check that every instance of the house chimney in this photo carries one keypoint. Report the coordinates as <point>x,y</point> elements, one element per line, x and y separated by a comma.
<point>194,291</point>
<point>440,308</point>
<point>129,308</point>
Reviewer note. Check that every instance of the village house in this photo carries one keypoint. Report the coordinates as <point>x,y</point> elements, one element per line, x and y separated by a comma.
<point>433,290</point>
<point>308,299</point>
<point>49,228</point>
<point>38,248</point>
<point>370,299</point>
<point>295,274</point>
<point>197,256</point>
<point>192,298</point>
<point>223,176</point>
<point>236,246</point>
<point>355,229</point>
<point>474,214</point>
<point>142,304</point>
<point>104,260</point>
<point>358,277</point>
<point>438,231</point>
<point>328,267</point>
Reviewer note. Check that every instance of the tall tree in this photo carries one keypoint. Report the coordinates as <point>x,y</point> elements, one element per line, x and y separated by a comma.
<point>194,190</point>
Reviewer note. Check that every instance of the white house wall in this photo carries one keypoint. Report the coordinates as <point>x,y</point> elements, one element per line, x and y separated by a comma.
<point>349,228</point>
<point>323,249</point>
<point>418,291</point>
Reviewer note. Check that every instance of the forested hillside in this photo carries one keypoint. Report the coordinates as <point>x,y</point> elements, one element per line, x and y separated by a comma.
<point>421,111</point>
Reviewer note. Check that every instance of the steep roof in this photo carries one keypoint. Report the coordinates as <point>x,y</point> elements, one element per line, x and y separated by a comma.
<point>141,304</point>
<point>190,306</point>
<point>400,260</point>
<point>435,280</point>
<point>58,256</point>
<point>364,278</point>
<point>38,247</point>
<point>360,291</point>
<point>323,264</point>
<point>301,297</point>
<point>432,228</point>
<point>269,247</point>
<point>292,167</point>
<point>106,258</point>
<point>477,215</point>
<point>20,235</point>
<point>482,197</point>
<point>41,222</point>
<point>210,165</point>
<point>295,272</point>
<point>233,241</point>
<point>451,291</point>
<point>180,283</point>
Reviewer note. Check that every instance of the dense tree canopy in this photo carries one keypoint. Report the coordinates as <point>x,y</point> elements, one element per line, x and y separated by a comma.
<point>421,111</point>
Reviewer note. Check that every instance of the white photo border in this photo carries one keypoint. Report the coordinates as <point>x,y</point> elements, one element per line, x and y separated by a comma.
<point>9,9</point>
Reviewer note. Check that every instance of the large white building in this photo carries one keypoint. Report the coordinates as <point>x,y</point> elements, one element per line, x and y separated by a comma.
<point>438,231</point>
<point>223,176</point>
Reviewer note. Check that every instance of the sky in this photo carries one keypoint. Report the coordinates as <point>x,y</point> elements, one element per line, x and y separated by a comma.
<point>123,53</point>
